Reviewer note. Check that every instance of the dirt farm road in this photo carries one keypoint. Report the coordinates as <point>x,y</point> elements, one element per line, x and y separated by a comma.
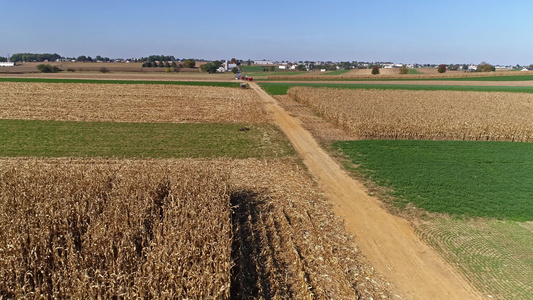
<point>388,242</point>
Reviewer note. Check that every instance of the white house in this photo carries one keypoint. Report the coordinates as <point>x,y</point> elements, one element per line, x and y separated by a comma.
<point>7,64</point>
<point>472,68</point>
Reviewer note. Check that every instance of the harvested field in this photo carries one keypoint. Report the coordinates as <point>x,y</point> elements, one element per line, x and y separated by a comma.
<point>129,103</point>
<point>173,229</point>
<point>430,115</point>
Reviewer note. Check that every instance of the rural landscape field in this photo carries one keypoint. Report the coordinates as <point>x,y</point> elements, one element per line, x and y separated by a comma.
<point>162,191</point>
<point>456,163</point>
<point>128,185</point>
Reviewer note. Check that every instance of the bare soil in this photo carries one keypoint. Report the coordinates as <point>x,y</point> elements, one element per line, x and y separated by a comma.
<point>389,242</point>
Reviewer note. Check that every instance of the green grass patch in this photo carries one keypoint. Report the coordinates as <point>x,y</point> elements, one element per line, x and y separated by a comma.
<point>104,81</point>
<point>496,255</point>
<point>279,88</point>
<point>253,68</point>
<point>139,140</point>
<point>413,71</point>
<point>472,179</point>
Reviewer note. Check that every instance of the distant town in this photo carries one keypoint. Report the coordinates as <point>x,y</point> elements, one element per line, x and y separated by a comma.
<point>225,65</point>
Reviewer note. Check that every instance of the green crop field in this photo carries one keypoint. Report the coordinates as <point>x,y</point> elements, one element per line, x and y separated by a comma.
<point>278,88</point>
<point>472,179</point>
<point>139,140</point>
<point>413,71</point>
<point>497,256</point>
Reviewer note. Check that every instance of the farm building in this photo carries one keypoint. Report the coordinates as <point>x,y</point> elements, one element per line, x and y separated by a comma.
<point>263,62</point>
<point>7,64</point>
<point>228,66</point>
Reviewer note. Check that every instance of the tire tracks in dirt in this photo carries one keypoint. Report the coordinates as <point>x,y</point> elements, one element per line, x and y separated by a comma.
<point>387,241</point>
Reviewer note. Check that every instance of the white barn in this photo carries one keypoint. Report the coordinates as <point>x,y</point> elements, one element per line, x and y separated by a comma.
<point>7,64</point>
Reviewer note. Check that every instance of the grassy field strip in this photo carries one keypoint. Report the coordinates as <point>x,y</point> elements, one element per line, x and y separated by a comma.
<point>473,179</point>
<point>107,81</point>
<point>275,88</point>
<point>154,140</point>
<point>465,181</point>
<point>497,255</point>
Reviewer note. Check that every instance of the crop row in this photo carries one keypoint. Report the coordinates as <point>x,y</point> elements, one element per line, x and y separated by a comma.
<point>430,115</point>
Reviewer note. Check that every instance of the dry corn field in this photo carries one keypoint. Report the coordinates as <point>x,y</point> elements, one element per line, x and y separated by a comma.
<point>195,229</point>
<point>430,115</point>
<point>129,103</point>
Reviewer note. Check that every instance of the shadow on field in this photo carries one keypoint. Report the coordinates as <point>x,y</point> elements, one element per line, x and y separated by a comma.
<point>250,276</point>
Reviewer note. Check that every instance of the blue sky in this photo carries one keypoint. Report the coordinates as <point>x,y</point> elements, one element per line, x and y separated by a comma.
<point>467,31</point>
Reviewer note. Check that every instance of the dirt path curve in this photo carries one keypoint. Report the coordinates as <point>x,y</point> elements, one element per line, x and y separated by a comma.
<point>389,242</point>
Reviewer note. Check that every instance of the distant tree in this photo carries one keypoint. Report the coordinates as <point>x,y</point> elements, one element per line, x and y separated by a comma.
<point>46,68</point>
<point>104,70</point>
<point>233,61</point>
<point>301,67</point>
<point>89,59</point>
<point>99,58</point>
<point>3,59</point>
<point>404,69</point>
<point>235,70</point>
<point>189,63</point>
<point>217,63</point>
<point>485,67</point>
<point>209,67</point>
<point>345,65</point>
<point>375,70</point>
<point>453,67</point>
<point>82,58</point>
<point>272,69</point>
<point>18,57</point>
<point>249,63</point>
<point>441,68</point>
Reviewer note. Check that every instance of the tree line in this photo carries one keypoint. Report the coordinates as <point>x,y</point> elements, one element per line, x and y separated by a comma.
<point>39,57</point>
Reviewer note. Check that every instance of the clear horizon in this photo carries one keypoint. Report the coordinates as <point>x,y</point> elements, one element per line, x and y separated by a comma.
<point>415,32</point>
